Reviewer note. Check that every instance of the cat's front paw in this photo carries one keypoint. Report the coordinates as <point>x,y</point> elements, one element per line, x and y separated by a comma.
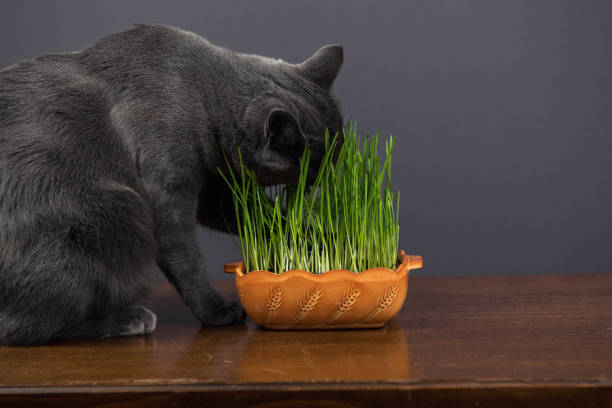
<point>134,321</point>
<point>223,314</point>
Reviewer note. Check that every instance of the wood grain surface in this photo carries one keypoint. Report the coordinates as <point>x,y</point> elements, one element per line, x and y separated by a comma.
<point>458,341</point>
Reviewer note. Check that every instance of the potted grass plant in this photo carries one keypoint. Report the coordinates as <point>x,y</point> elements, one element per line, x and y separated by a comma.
<point>322,254</point>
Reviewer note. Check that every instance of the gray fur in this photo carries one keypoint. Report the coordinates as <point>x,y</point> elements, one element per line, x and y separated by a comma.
<point>109,157</point>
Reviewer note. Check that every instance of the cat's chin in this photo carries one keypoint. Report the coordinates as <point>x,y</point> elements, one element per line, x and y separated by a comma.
<point>267,181</point>
<point>289,177</point>
<point>274,174</point>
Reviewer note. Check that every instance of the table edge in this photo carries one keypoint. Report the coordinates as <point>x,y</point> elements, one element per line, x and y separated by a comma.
<point>336,386</point>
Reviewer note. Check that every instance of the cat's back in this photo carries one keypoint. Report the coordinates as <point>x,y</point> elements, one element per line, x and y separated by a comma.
<point>63,169</point>
<point>56,137</point>
<point>41,89</point>
<point>53,114</point>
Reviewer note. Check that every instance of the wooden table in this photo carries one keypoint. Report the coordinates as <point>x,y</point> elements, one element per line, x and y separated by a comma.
<point>459,341</point>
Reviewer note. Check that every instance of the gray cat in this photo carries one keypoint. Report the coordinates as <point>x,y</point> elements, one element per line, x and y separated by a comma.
<point>108,160</point>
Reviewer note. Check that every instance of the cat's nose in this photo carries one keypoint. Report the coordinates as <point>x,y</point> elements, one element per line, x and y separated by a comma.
<point>290,146</point>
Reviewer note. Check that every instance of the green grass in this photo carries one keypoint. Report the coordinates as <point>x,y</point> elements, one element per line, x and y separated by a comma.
<point>346,219</point>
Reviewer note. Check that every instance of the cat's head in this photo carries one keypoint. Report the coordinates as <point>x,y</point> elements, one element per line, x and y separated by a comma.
<point>292,109</point>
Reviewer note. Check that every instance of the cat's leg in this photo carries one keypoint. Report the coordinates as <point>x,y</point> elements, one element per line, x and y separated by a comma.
<point>25,330</point>
<point>57,271</point>
<point>133,321</point>
<point>56,302</point>
<point>179,256</point>
<point>40,312</point>
<point>22,330</point>
<point>180,259</point>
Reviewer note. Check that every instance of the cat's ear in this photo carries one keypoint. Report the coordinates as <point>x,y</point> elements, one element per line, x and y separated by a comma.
<point>283,131</point>
<point>323,67</point>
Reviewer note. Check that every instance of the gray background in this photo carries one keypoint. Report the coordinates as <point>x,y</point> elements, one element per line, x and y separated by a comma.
<point>502,110</point>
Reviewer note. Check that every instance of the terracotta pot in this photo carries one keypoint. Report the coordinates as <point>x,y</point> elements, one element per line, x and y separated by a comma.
<point>337,299</point>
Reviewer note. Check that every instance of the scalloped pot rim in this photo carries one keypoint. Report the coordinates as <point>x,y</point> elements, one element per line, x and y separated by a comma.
<point>408,262</point>
<point>337,299</point>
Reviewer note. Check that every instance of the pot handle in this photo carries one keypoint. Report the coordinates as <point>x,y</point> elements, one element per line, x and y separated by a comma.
<point>414,261</point>
<point>232,267</point>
